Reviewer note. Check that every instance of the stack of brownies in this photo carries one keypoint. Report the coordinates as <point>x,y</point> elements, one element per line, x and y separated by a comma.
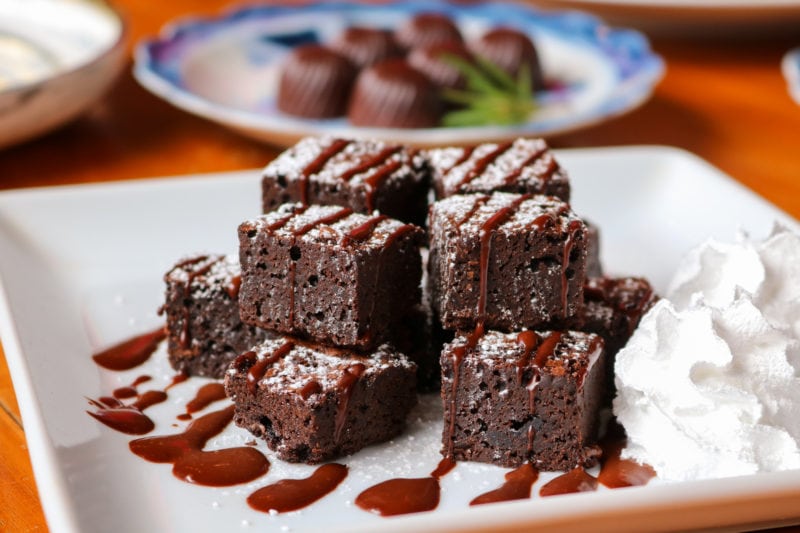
<point>322,334</point>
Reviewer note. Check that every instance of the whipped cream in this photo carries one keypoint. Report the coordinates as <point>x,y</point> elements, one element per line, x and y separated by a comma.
<point>709,383</point>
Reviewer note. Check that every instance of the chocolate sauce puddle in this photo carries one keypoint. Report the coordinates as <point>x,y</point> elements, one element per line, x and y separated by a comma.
<point>576,480</point>
<point>132,352</point>
<point>517,486</point>
<point>218,468</point>
<point>293,494</point>
<point>206,395</point>
<point>617,472</point>
<point>404,495</point>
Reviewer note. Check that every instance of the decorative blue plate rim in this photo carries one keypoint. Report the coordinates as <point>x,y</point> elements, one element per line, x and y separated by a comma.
<point>625,54</point>
<point>791,71</point>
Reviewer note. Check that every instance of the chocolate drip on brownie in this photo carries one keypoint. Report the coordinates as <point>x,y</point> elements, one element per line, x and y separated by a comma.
<point>317,164</point>
<point>574,227</point>
<point>363,231</point>
<point>371,161</point>
<point>260,367</point>
<point>346,384</point>
<point>483,163</point>
<point>514,174</point>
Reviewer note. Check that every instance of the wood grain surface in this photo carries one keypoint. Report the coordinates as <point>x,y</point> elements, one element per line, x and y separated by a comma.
<point>726,101</point>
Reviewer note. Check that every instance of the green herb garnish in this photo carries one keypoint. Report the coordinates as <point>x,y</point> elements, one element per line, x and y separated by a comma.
<point>492,96</point>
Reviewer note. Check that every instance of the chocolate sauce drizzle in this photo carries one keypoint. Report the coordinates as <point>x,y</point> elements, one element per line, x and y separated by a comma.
<point>465,155</point>
<point>514,174</point>
<point>403,495</point>
<point>572,230</point>
<point>347,385</point>
<point>206,395</point>
<point>363,231</point>
<point>130,418</point>
<point>517,486</point>
<point>259,367</point>
<point>293,494</point>
<point>318,164</point>
<point>576,480</point>
<point>483,163</point>
<point>132,352</point>
<point>218,468</point>
<point>615,471</point>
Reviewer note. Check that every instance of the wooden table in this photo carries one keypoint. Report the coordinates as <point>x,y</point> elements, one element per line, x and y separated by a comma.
<point>725,101</point>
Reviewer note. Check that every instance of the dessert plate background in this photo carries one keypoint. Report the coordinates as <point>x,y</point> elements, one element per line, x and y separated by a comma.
<point>790,65</point>
<point>81,268</point>
<point>694,17</point>
<point>226,69</point>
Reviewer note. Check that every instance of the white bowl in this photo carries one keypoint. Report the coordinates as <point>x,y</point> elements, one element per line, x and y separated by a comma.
<point>56,58</point>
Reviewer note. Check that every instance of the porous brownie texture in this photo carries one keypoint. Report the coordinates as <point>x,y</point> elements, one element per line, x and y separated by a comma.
<point>364,175</point>
<point>327,273</point>
<point>512,261</point>
<point>521,166</point>
<point>612,309</point>
<point>529,396</point>
<point>204,332</point>
<point>312,403</point>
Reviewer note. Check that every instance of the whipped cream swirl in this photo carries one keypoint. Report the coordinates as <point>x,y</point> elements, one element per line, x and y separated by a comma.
<point>709,384</point>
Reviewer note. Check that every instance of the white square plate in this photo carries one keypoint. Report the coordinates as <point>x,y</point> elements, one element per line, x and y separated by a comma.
<point>81,268</point>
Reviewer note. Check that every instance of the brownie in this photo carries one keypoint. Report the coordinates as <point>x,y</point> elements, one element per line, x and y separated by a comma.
<point>312,403</point>
<point>327,273</point>
<point>612,309</point>
<point>363,175</point>
<point>529,396</point>
<point>521,166</point>
<point>594,268</point>
<point>510,261</point>
<point>204,332</point>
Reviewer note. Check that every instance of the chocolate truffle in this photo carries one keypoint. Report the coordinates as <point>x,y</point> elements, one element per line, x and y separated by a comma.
<point>433,61</point>
<point>392,94</point>
<point>315,83</point>
<point>425,29</point>
<point>366,46</point>
<point>510,49</point>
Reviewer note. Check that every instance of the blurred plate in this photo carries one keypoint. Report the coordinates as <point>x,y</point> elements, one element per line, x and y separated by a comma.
<point>699,18</point>
<point>791,71</point>
<point>226,69</point>
<point>56,58</point>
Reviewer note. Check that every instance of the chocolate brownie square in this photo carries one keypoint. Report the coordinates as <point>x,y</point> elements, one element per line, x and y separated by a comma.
<point>528,396</point>
<point>512,261</point>
<point>612,309</point>
<point>204,332</point>
<point>522,166</point>
<point>329,274</point>
<point>312,403</point>
<point>364,175</point>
